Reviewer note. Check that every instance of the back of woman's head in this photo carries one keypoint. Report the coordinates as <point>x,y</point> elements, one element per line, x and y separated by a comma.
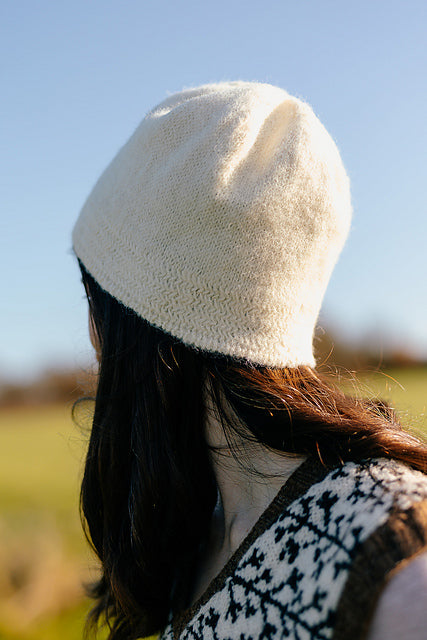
<point>149,491</point>
<point>206,248</point>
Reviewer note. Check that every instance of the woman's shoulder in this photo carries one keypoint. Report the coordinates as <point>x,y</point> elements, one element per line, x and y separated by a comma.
<point>337,541</point>
<point>317,559</point>
<point>381,510</point>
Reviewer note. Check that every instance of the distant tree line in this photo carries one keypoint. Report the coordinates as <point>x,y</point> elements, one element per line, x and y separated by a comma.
<point>51,386</point>
<point>370,353</point>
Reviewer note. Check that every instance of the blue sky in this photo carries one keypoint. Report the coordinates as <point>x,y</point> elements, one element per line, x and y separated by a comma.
<point>78,78</point>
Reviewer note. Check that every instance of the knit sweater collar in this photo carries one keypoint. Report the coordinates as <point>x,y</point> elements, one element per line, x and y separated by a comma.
<point>307,474</point>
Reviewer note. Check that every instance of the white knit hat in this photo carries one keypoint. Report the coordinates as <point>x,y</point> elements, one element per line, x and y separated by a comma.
<point>220,221</point>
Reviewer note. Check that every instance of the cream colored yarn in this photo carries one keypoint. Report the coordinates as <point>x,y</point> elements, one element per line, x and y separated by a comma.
<point>220,221</point>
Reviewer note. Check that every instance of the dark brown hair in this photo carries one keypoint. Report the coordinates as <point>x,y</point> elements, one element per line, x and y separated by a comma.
<point>148,489</point>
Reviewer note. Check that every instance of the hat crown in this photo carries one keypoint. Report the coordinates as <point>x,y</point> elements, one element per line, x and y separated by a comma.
<point>220,221</point>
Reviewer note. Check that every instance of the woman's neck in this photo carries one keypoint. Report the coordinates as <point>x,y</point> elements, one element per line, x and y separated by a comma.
<point>247,485</point>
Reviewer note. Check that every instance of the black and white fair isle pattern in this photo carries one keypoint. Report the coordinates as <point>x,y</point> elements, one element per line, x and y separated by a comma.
<point>288,583</point>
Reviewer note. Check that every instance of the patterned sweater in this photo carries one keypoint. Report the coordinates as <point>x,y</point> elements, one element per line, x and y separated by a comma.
<point>314,564</point>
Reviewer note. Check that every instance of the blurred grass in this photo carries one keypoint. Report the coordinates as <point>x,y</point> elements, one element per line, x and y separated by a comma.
<point>44,558</point>
<point>67,625</point>
<point>41,458</point>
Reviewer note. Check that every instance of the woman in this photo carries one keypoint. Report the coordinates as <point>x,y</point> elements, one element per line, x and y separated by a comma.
<point>229,490</point>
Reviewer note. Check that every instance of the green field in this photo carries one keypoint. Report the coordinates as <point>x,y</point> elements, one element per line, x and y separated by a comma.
<point>404,389</point>
<point>43,556</point>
